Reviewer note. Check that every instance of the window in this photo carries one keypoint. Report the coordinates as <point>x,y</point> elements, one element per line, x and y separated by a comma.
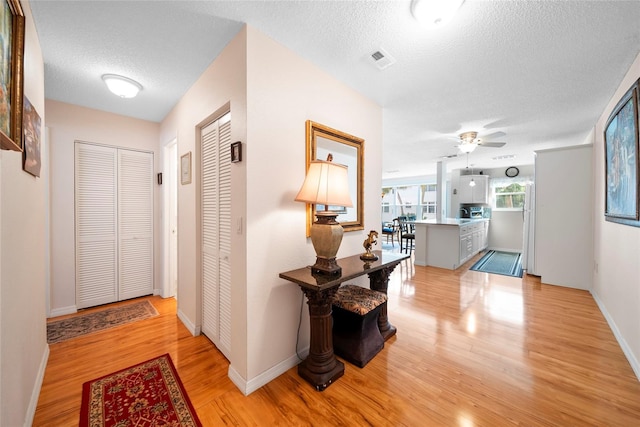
<point>411,201</point>
<point>508,194</point>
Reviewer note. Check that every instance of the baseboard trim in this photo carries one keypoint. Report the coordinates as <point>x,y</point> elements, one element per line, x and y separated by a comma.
<point>519,250</point>
<point>63,310</point>
<point>35,394</point>
<point>195,330</point>
<point>619,337</point>
<point>248,387</point>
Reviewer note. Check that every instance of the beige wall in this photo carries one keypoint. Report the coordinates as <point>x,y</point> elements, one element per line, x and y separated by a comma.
<point>69,123</point>
<point>271,93</point>
<point>284,91</point>
<point>222,84</point>
<point>616,283</point>
<point>23,211</point>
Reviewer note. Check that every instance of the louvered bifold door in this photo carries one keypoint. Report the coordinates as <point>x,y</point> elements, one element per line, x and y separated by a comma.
<point>135,223</point>
<point>96,231</point>
<point>216,233</point>
<point>225,233</point>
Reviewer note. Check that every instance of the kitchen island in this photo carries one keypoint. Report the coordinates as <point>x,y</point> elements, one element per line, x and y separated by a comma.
<point>450,242</point>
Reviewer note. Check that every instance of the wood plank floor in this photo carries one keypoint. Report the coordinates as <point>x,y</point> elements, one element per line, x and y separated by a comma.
<point>472,349</point>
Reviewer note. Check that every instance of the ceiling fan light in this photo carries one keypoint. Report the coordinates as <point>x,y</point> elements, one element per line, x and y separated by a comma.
<point>436,13</point>
<point>122,86</point>
<point>472,183</point>
<point>467,147</point>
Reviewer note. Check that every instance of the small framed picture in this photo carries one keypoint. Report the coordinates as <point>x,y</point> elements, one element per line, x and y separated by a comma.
<point>185,168</point>
<point>236,152</point>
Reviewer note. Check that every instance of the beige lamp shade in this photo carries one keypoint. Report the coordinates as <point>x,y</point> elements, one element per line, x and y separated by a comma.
<point>326,184</point>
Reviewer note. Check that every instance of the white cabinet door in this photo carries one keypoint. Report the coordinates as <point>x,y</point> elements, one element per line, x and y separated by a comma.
<point>465,194</point>
<point>473,194</point>
<point>481,189</point>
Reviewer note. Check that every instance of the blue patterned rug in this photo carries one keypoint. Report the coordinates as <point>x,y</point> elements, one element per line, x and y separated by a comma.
<point>496,262</point>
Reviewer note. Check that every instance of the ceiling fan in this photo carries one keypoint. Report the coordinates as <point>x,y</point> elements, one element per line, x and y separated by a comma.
<point>469,141</point>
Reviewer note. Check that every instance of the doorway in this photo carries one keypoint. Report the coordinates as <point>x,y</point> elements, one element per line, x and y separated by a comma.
<point>170,196</point>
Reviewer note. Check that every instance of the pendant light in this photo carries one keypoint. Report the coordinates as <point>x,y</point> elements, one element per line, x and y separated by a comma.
<point>472,183</point>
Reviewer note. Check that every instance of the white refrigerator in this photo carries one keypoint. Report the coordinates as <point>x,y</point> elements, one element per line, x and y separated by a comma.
<point>528,239</point>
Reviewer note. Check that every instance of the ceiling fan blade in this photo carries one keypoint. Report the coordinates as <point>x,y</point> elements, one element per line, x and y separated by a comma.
<point>494,135</point>
<point>492,144</point>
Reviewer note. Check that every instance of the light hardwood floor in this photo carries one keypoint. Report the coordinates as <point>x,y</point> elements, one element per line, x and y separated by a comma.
<point>472,349</point>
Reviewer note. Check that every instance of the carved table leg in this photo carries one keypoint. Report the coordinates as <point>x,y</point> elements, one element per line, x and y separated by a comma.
<point>379,281</point>
<point>321,367</point>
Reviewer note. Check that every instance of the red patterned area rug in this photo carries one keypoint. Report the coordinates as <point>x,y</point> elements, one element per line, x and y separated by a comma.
<point>147,394</point>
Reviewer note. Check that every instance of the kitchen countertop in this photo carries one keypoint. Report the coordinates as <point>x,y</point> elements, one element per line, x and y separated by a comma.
<point>449,221</point>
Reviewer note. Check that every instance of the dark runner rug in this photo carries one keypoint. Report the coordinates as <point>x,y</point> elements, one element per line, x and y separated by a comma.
<point>148,394</point>
<point>81,324</point>
<point>497,262</point>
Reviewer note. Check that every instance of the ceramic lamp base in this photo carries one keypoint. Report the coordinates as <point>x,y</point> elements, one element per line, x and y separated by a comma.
<point>326,236</point>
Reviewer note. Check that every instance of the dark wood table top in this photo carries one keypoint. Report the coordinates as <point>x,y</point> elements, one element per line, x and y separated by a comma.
<point>352,267</point>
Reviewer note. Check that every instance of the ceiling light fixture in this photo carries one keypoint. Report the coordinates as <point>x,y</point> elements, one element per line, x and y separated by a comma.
<point>435,13</point>
<point>122,86</point>
<point>467,147</point>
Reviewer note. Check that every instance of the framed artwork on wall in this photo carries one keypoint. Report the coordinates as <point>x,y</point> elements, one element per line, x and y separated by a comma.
<point>31,127</point>
<point>236,152</point>
<point>185,168</point>
<point>621,161</point>
<point>11,74</point>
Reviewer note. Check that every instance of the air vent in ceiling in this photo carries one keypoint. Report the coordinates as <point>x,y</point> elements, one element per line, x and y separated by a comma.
<point>381,58</point>
<point>505,157</point>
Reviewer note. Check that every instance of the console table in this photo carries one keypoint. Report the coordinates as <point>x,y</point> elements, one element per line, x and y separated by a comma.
<point>321,367</point>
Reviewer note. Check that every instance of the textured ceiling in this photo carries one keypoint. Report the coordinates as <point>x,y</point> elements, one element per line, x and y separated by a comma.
<point>536,73</point>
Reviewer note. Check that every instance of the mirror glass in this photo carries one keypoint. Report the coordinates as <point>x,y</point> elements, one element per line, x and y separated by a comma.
<point>346,150</point>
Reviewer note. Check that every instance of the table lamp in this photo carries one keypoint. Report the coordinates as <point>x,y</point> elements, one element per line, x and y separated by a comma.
<point>326,184</point>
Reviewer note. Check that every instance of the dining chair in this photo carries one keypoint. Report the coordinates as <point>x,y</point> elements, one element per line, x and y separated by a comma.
<point>391,229</point>
<point>407,235</point>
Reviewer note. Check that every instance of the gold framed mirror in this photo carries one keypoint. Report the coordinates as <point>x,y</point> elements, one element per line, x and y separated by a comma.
<point>347,150</point>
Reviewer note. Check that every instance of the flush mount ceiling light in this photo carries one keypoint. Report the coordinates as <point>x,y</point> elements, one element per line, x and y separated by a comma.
<point>435,13</point>
<point>122,86</point>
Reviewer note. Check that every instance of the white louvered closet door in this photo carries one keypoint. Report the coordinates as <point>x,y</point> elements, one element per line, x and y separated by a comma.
<point>114,224</point>
<point>216,233</point>
<point>96,227</point>
<point>135,223</point>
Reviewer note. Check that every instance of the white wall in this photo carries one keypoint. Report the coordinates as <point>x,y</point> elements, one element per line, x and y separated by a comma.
<point>69,123</point>
<point>505,231</point>
<point>616,280</point>
<point>23,344</point>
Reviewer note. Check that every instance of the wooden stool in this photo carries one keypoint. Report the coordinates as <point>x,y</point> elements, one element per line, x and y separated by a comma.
<point>356,337</point>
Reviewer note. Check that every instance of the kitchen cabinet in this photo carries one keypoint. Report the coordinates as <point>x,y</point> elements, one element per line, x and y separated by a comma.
<point>449,243</point>
<point>479,193</point>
